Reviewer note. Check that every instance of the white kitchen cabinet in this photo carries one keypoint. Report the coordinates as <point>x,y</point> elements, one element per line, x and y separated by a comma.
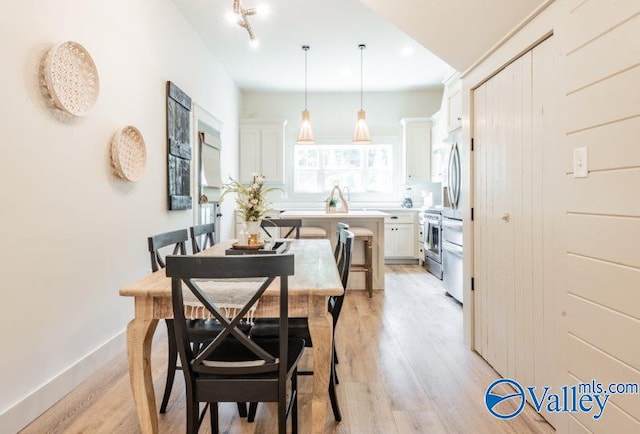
<point>262,150</point>
<point>400,235</point>
<point>420,242</point>
<point>452,102</point>
<point>416,141</point>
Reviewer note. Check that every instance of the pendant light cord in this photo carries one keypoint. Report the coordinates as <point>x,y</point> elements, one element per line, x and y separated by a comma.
<point>362,47</point>
<point>306,49</point>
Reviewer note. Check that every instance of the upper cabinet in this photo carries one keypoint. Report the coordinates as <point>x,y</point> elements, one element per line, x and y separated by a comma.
<point>452,102</point>
<point>262,150</point>
<point>416,141</point>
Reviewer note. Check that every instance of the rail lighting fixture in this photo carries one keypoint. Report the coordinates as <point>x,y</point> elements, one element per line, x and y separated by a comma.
<point>243,15</point>
<point>361,133</point>
<point>305,137</point>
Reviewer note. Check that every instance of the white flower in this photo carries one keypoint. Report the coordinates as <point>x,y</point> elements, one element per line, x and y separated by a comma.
<point>254,174</point>
<point>255,186</point>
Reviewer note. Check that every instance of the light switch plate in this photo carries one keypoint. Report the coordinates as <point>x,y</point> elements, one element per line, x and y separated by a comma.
<point>580,163</point>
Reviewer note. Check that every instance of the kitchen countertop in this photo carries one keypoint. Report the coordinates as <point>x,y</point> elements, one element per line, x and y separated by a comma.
<point>321,214</point>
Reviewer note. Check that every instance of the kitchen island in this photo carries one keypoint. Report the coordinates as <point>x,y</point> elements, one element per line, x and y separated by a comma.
<point>373,220</point>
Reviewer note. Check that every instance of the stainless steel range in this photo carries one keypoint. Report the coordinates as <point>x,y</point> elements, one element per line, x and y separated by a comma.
<point>432,221</point>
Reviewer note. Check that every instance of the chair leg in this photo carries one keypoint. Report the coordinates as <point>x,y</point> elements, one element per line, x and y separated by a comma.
<point>294,409</point>
<point>368,255</point>
<point>253,408</point>
<point>333,397</point>
<point>213,413</point>
<point>171,365</point>
<point>193,415</point>
<point>282,409</point>
<point>242,409</point>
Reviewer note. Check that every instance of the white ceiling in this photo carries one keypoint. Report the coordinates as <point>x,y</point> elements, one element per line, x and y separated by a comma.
<point>459,31</point>
<point>333,29</point>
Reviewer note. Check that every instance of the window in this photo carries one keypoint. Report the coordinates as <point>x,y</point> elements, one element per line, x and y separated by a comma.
<point>362,168</point>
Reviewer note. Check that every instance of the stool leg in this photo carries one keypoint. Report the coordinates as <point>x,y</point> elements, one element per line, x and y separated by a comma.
<point>368,259</point>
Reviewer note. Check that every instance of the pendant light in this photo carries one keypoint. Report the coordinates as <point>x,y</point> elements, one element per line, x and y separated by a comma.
<point>361,133</point>
<point>305,137</point>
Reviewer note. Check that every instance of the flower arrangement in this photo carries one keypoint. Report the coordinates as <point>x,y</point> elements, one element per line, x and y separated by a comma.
<point>251,199</point>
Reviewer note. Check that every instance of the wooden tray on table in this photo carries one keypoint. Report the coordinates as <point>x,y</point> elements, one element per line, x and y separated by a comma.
<point>279,247</point>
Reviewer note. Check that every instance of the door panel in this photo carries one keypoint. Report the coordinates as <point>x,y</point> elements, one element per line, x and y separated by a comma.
<point>513,321</point>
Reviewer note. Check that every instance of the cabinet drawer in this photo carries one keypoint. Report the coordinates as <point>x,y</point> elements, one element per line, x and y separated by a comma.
<point>400,218</point>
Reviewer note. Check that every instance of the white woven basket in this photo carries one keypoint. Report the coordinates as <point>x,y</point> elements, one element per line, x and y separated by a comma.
<point>128,153</point>
<point>72,78</point>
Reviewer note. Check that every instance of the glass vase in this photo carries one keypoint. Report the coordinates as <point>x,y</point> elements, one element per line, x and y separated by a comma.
<point>253,233</point>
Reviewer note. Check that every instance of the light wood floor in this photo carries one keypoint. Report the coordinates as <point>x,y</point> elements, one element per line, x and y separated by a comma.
<point>403,369</point>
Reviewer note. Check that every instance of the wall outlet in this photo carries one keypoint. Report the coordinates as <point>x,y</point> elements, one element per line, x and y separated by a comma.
<point>580,163</point>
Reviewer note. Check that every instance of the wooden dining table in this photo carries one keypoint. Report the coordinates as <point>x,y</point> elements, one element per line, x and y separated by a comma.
<point>315,279</point>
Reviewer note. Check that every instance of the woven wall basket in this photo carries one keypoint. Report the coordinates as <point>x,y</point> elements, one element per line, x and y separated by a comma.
<point>128,153</point>
<point>71,78</point>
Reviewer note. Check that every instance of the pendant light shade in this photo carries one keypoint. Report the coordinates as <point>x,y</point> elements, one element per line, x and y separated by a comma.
<point>305,137</point>
<point>361,134</point>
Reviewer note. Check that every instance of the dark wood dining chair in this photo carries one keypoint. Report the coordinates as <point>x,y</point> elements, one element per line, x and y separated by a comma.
<point>177,240</point>
<point>201,329</point>
<point>340,226</point>
<point>202,236</point>
<point>293,225</point>
<point>240,368</point>
<point>299,327</point>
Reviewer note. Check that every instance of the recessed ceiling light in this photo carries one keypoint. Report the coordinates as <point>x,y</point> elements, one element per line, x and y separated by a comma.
<point>254,42</point>
<point>407,51</point>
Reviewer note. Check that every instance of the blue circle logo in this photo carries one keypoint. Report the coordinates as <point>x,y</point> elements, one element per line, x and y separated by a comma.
<point>493,399</point>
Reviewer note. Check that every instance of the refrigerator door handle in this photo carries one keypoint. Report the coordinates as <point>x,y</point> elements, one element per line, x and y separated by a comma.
<point>457,175</point>
<point>452,248</point>
<point>450,177</point>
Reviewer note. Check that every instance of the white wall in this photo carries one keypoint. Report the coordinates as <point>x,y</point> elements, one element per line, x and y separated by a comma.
<point>334,115</point>
<point>595,265</point>
<point>72,233</point>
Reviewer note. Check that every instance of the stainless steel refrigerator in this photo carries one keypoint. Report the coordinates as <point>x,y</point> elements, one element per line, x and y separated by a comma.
<point>452,247</point>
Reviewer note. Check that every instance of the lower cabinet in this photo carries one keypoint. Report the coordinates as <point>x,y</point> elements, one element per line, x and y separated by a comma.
<point>400,235</point>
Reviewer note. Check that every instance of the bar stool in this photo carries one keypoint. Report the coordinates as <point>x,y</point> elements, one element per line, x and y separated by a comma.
<point>312,232</point>
<point>366,236</point>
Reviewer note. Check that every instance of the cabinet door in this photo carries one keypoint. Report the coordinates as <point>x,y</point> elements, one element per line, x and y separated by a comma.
<point>249,153</point>
<point>271,154</point>
<point>405,241</point>
<point>390,241</point>
<point>418,151</point>
<point>454,113</point>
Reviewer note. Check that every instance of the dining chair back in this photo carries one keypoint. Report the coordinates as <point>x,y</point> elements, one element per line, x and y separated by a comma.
<point>177,239</point>
<point>345,244</point>
<point>231,366</point>
<point>339,227</point>
<point>206,233</point>
<point>293,225</point>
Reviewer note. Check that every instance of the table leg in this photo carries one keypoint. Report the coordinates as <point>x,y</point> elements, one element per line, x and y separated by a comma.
<point>139,337</point>
<point>321,330</point>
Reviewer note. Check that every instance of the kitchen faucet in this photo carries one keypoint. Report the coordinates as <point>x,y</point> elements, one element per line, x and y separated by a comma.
<point>346,191</point>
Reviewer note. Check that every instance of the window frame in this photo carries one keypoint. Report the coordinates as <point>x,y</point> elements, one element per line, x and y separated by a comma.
<point>396,155</point>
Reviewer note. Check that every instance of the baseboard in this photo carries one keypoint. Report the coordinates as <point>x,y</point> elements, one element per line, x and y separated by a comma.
<point>23,412</point>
